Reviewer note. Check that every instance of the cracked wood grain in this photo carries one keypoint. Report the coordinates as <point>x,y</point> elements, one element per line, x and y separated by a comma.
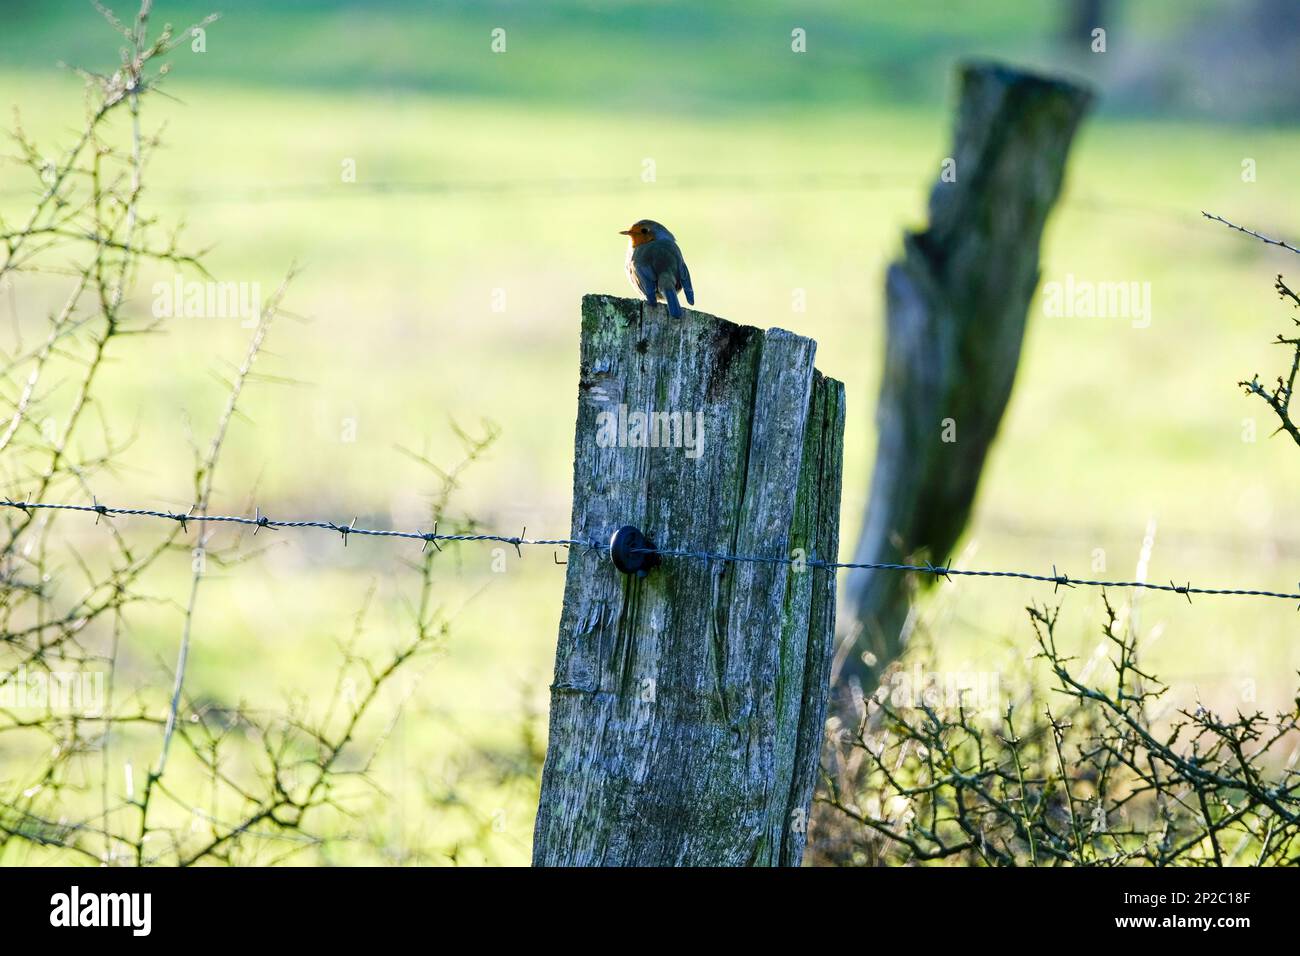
<point>688,706</point>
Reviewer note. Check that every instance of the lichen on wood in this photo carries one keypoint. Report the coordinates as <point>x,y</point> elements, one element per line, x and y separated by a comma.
<point>688,705</point>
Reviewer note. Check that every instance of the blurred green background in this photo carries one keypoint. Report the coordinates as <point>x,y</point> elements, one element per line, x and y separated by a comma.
<point>484,178</point>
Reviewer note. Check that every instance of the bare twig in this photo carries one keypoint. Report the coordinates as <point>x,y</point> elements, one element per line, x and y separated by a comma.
<point>1251,232</point>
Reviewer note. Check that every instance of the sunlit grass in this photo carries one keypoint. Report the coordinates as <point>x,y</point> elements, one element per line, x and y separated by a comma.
<point>1110,425</point>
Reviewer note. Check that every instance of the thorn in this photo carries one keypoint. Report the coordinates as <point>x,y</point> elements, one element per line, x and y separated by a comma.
<point>1185,590</point>
<point>100,510</point>
<point>518,541</point>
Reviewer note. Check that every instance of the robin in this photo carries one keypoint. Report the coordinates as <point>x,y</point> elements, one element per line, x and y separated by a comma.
<point>655,265</point>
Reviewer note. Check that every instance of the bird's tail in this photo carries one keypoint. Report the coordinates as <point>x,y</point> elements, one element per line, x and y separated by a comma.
<point>670,296</point>
<point>674,307</point>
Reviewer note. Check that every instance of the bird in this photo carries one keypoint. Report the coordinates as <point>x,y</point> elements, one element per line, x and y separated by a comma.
<point>655,265</point>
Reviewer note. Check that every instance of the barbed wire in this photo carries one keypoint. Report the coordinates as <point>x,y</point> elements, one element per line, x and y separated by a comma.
<point>260,522</point>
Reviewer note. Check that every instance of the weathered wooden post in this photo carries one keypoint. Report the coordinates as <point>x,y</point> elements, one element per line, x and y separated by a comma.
<point>956,307</point>
<point>688,704</point>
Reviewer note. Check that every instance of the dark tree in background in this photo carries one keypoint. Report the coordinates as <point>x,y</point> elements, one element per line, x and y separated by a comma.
<point>1080,18</point>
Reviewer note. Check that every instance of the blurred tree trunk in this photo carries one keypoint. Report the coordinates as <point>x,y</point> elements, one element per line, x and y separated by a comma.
<point>955,310</point>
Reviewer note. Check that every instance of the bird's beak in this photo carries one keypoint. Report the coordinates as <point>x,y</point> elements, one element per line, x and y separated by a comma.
<point>625,232</point>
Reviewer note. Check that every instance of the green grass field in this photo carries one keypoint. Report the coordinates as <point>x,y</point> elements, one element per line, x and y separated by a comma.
<point>478,173</point>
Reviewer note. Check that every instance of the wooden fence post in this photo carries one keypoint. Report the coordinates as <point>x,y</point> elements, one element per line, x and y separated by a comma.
<point>688,705</point>
<point>956,307</point>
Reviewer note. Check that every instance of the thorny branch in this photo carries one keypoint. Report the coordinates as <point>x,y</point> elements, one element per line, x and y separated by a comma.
<point>1105,780</point>
<point>1279,397</point>
<point>1102,781</point>
<point>223,782</point>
